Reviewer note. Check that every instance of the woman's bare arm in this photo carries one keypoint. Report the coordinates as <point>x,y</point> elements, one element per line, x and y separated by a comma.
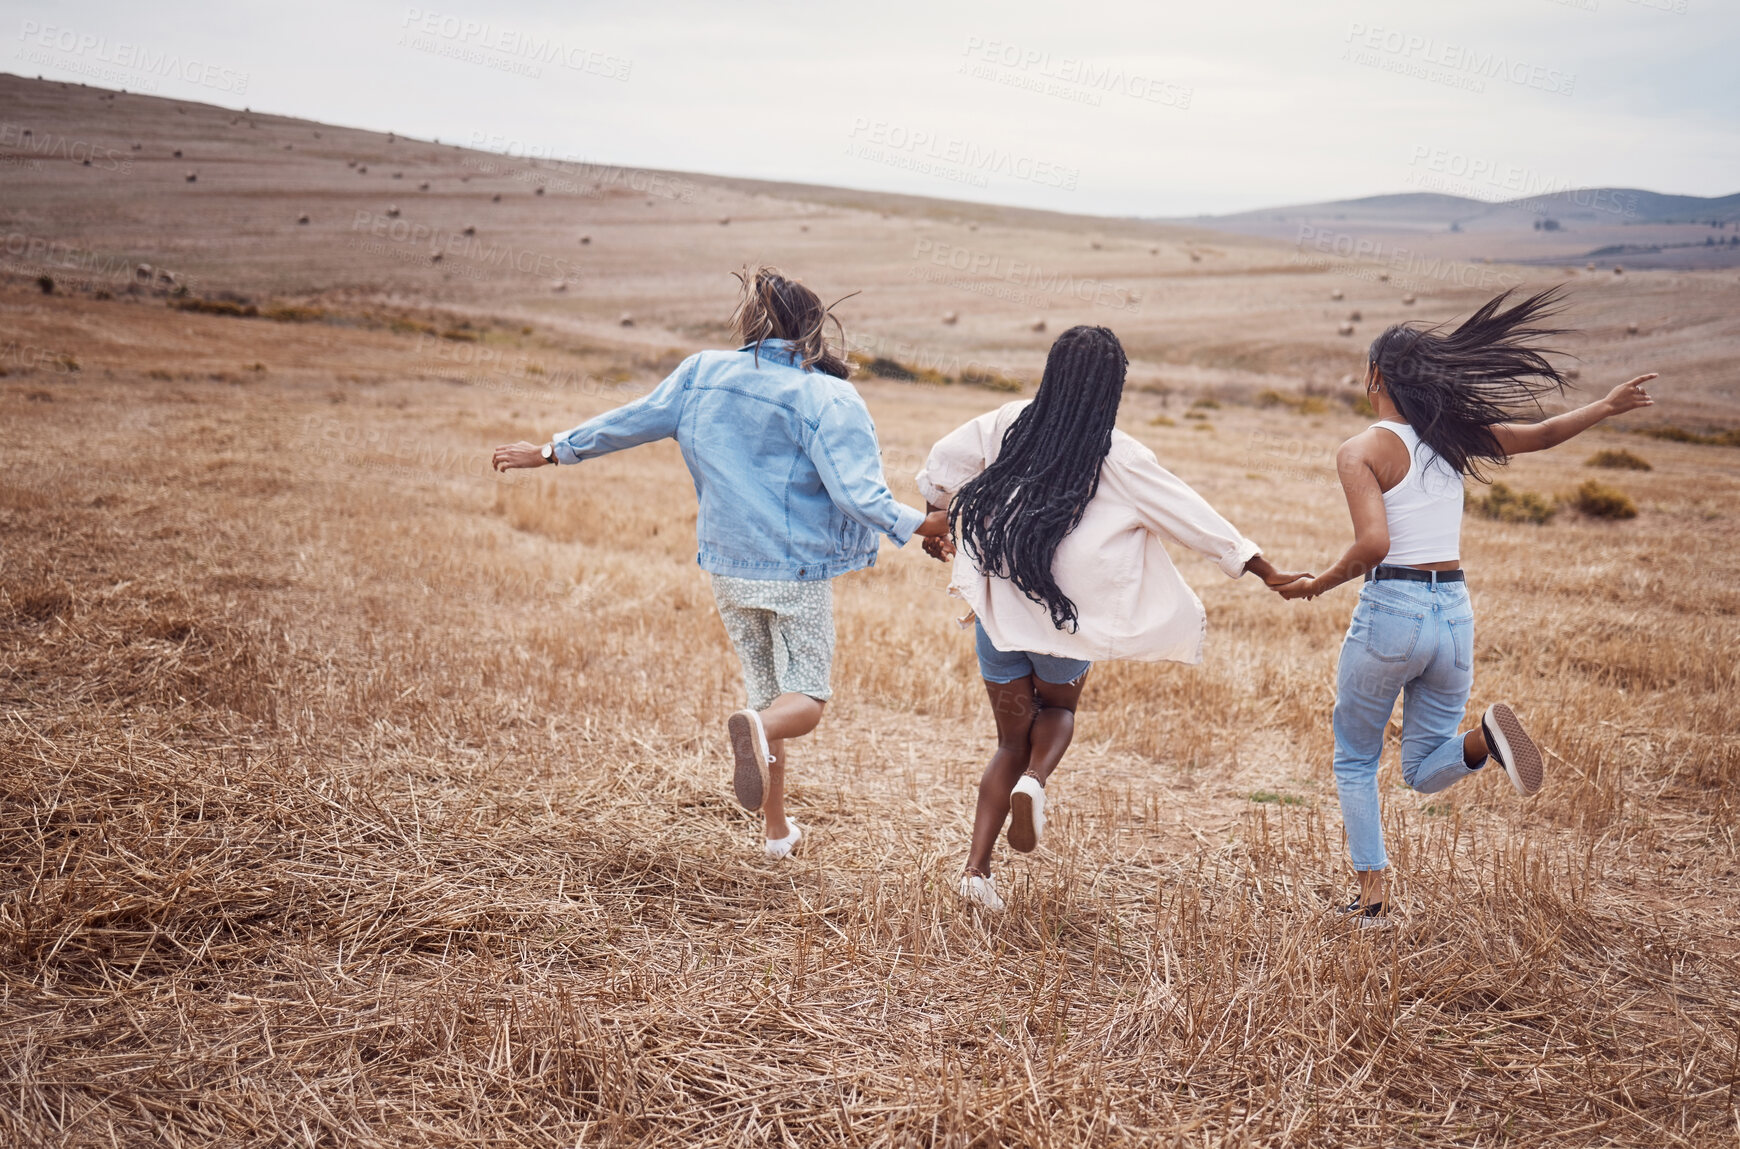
<point>1521,438</point>
<point>1371,526</point>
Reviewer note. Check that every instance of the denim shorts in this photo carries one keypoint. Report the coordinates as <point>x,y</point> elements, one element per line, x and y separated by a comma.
<point>1002,666</point>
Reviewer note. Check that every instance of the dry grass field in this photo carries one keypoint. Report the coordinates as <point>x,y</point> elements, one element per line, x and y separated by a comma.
<point>352,795</point>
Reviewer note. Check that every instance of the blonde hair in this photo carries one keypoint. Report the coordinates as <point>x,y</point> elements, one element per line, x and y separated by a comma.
<point>774,307</point>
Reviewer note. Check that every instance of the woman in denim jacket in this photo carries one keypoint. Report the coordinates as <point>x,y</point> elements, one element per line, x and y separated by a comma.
<point>788,475</point>
<point>1445,401</point>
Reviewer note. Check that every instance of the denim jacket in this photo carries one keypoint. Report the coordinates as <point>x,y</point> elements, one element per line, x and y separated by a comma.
<point>785,461</point>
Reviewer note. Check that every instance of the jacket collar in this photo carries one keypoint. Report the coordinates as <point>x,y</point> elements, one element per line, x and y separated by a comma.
<point>778,350</point>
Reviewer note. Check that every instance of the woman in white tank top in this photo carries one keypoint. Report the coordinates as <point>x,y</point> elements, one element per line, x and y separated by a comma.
<point>1445,401</point>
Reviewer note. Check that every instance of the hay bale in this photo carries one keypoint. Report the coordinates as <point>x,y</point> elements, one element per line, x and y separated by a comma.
<point>559,285</point>
<point>1589,266</point>
<point>496,198</point>
<point>1336,295</point>
<point>144,271</point>
<point>1383,277</point>
<point>584,240</point>
<point>1354,316</point>
<point>724,220</point>
<point>539,190</point>
<point>392,211</point>
<point>436,258</point>
<point>1036,325</point>
<point>303,218</point>
<point>468,229</point>
<point>1344,329</point>
<point>950,318</point>
<point>1618,270</point>
<point>192,177</point>
<point>1195,257</point>
<point>424,186</point>
<point>627,320</point>
<point>1631,329</point>
<point>177,150</point>
<point>362,169</point>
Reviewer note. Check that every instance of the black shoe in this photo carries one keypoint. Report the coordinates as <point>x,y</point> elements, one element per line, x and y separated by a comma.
<point>1515,750</point>
<point>1366,916</point>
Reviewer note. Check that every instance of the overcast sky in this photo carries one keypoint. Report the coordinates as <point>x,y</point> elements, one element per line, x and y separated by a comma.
<point>1124,107</point>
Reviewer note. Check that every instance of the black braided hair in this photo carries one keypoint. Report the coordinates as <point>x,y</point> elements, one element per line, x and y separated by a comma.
<point>1011,517</point>
<point>1453,386</point>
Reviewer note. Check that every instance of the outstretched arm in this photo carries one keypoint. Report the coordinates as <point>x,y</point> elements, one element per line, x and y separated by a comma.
<point>1521,438</point>
<point>1371,525</point>
<point>652,416</point>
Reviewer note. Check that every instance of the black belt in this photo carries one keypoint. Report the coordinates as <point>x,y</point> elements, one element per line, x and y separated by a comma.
<point>1409,574</point>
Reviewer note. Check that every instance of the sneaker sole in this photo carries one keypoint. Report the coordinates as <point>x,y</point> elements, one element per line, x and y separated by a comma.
<point>1023,837</point>
<point>749,775</point>
<point>1516,751</point>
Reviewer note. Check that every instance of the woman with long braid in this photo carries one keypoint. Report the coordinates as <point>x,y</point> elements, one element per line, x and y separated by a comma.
<point>1446,402</point>
<point>1060,519</point>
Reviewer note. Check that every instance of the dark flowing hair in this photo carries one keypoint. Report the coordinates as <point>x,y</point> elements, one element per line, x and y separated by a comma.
<point>1453,386</point>
<point>774,307</point>
<point>1012,516</point>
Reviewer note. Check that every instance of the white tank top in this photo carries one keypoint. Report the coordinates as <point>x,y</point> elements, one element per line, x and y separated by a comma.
<point>1425,508</point>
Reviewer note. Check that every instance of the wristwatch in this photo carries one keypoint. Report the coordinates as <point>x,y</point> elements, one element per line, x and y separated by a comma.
<point>548,451</point>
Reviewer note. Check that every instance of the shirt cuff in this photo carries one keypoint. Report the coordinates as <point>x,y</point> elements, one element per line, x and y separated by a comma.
<point>909,520</point>
<point>563,452</point>
<point>930,492</point>
<point>1233,565</point>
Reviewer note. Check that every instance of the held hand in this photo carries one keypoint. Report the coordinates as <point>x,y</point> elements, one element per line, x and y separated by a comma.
<point>940,548</point>
<point>1630,396</point>
<point>1300,588</point>
<point>935,525</point>
<point>1272,578</point>
<point>510,456</point>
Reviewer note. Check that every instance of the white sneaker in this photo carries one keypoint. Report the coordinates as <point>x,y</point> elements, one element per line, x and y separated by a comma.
<point>749,750</point>
<point>1026,814</point>
<point>981,892</point>
<point>781,847</point>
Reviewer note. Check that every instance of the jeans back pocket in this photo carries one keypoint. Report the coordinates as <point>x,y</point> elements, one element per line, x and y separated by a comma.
<point>1387,633</point>
<point>1462,637</point>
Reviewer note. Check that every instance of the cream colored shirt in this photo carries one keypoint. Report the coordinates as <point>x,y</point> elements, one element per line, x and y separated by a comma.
<point>1132,602</point>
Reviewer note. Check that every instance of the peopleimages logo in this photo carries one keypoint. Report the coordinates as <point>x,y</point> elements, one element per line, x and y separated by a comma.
<point>1441,61</point>
<point>958,155</point>
<point>1064,76</point>
<point>457,33</point>
<point>132,57</point>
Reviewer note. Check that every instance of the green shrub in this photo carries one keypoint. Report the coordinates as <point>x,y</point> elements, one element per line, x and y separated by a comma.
<point>1620,460</point>
<point>1673,434</point>
<point>1508,506</point>
<point>1602,502</point>
<point>884,368</point>
<point>216,307</point>
<point>990,380</point>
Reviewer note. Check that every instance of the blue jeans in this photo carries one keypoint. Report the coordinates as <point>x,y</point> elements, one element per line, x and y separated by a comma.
<point>1003,666</point>
<point>1415,639</point>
